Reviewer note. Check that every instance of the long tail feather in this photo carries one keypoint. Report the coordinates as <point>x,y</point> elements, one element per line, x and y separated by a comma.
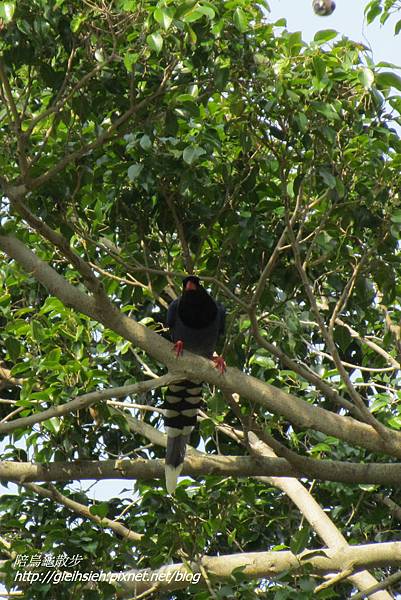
<point>181,406</point>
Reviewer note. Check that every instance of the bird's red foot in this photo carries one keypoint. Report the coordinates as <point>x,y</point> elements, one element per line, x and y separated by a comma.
<point>178,348</point>
<point>220,363</point>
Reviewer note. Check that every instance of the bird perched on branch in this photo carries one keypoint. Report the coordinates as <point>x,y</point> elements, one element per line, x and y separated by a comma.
<point>195,321</point>
<point>323,8</point>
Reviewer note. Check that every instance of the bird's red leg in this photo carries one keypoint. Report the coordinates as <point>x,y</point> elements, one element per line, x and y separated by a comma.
<point>220,363</point>
<point>178,348</point>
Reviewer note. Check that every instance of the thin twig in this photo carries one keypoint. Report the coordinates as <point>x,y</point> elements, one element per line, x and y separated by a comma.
<point>306,374</point>
<point>145,407</point>
<point>367,415</point>
<point>382,585</point>
<point>82,510</point>
<point>274,256</point>
<point>186,254</point>
<point>87,400</point>
<point>345,573</point>
<point>370,344</point>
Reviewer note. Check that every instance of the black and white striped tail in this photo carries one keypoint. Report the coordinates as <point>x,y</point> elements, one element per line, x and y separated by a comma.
<point>182,401</point>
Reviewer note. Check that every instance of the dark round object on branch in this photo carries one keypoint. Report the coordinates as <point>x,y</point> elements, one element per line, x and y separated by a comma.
<point>323,8</point>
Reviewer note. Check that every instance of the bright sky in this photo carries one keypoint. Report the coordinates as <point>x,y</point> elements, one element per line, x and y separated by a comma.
<point>348,19</point>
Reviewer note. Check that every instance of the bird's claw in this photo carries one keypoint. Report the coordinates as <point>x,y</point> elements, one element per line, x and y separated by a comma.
<point>178,348</point>
<point>220,363</point>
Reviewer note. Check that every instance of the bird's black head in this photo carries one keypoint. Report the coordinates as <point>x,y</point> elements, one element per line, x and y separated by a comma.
<point>196,308</point>
<point>191,283</point>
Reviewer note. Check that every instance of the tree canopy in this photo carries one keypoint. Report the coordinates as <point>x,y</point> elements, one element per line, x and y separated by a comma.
<point>141,141</point>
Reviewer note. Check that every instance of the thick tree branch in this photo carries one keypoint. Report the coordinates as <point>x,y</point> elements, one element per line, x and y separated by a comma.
<point>382,585</point>
<point>299,412</point>
<point>199,465</point>
<point>263,565</point>
<point>314,514</point>
<point>92,282</point>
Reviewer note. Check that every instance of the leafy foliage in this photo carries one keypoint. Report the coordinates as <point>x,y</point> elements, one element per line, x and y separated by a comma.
<point>383,10</point>
<point>157,136</point>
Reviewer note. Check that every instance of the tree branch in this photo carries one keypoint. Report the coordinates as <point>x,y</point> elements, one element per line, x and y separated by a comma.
<point>314,514</point>
<point>199,465</point>
<point>83,511</point>
<point>275,400</point>
<point>87,400</point>
<point>367,415</point>
<point>93,283</point>
<point>382,585</point>
<point>310,376</point>
<point>260,565</point>
<point>370,344</point>
<point>107,135</point>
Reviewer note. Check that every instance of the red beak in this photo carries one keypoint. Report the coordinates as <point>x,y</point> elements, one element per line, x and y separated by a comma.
<point>191,286</point>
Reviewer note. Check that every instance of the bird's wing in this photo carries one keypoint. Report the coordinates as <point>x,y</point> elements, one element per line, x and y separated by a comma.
<point>222,317</point>
<point>172,314</point>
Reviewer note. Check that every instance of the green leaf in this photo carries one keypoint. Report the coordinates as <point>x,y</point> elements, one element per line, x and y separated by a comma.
<point>77,21</point>
<point>130,59</point>
<point>164,16</point>
<point>366,77</point>
<point>319,66</point>
<point>7,11</point>
<point>52,304</point>
<point>134,171</point>
<point>100,509</point>
<point>387,65</point>
<point>263,361</point>
<point>192,15</point>
<point>53,425</point>
<point>373,10</point>
<point>325,35</point>
<point>38,332</point>
<point>145,142</point>
<point>394,422</point>
<point>396,216</point>
<point>327,110</point>
<point>300,540</point>
<point>13,347</point>
<point>328,178</point>
<point>208,11</point>
<point>388,79</point>
<point>192,153</point>
<point>155,42</point>
<point>322,447</point>
<point>240,20</point>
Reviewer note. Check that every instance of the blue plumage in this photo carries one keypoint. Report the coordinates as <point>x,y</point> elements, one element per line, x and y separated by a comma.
<point>195,321</point>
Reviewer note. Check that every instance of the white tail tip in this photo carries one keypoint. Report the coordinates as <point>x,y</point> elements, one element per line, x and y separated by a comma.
<point>172,474</point>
